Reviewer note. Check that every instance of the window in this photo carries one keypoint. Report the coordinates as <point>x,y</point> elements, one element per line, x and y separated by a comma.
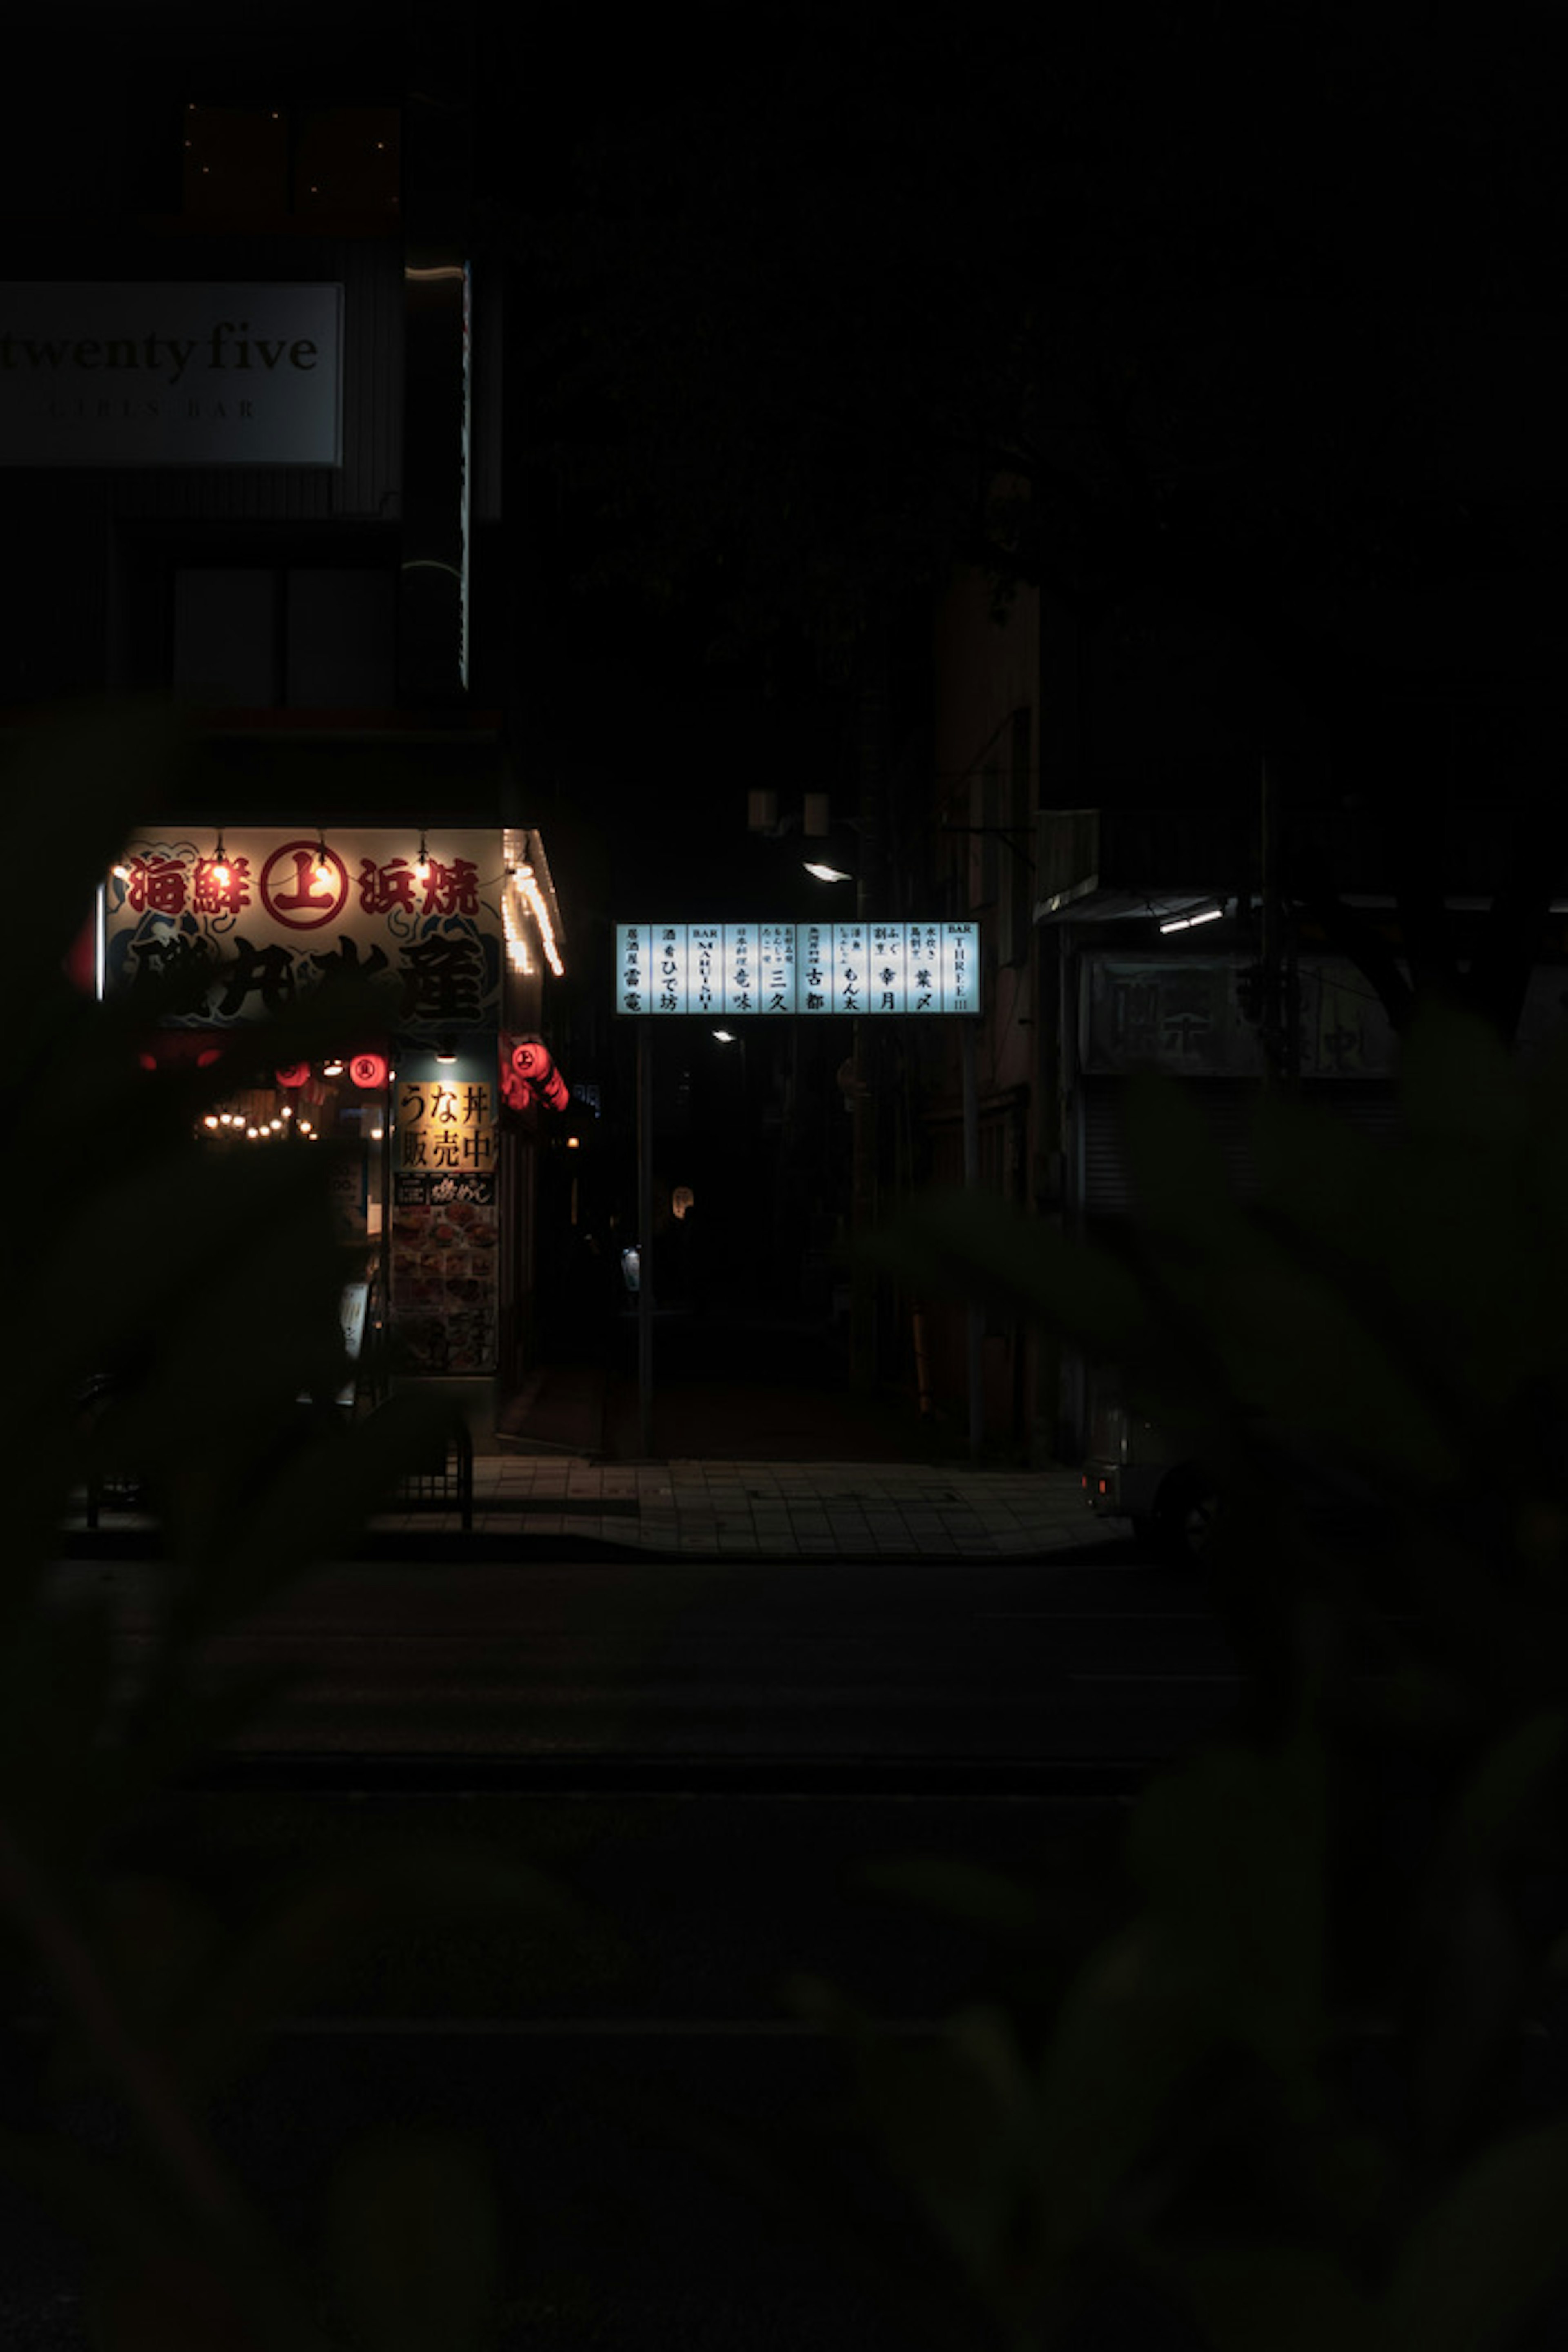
<point>306,636</point>
<point>236,159</point>
<point>269,159</point>
<point>225,637</point>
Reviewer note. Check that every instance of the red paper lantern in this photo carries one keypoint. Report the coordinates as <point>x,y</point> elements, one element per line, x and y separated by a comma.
<point>529,1070</point>
<point>368,1069</point>
<point>297,1073</point>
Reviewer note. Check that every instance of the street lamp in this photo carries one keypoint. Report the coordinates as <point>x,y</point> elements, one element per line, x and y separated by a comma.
<point>863,1143</point>
<point>1192,918</point>
<point>728,1037</point>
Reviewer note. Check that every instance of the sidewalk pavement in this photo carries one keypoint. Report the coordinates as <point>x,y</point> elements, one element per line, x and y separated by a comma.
<point>530,1507</point>
<point>818,1510</point>
<point>738,1468</point>
<point>779,1465</point>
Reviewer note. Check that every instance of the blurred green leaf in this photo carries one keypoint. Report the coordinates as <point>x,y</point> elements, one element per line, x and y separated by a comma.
<point>1036,1917</point>
<point>960,1243</point>
<point>1368,1355</point>
<point>1284,2297</point>
<point>1230,1851</point>
<point>207,1288</point>
<point>956,2121</point>
<point>1510,1779</point>
<point>414,2243</point>
<point>1485,2251</point>
<point>310,1939</point>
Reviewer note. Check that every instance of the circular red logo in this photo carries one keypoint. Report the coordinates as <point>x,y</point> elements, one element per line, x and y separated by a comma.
<point>292,892</point>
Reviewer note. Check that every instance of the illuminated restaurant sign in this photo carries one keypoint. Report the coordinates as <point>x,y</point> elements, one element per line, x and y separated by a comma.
<point>730,970</point>
<point>171,374</point>
<point>447,1127</point>
<point>222,940</point>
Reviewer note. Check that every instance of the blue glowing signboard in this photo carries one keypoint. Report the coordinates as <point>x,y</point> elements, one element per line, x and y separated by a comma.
<point>731,971</point>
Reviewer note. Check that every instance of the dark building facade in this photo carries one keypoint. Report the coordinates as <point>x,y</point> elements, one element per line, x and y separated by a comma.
<point>250,461</point>
<point>1166,882</point>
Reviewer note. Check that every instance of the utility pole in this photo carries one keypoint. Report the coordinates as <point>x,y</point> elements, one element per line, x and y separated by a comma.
<point>1280,991</point>
<point>975,1321</point>
<point>872,754</point>
<point>645,1237</point>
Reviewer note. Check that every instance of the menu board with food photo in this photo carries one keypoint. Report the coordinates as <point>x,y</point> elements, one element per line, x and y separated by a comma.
<point>443,1235</point>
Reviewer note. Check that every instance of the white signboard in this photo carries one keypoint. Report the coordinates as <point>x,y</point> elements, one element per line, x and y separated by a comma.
<point>727,971</point>
<point>1184,1014</point>
<point>171,374</point>
<point>285,911</point>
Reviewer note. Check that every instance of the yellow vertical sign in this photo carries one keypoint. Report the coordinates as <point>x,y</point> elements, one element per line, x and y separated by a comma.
<point>447,1127</point>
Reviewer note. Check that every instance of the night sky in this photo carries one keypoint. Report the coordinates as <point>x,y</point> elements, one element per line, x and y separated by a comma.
<point>1264,305</point>
<point>1265,311</point>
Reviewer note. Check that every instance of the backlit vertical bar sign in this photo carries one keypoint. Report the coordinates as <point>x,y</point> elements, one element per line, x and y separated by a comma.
<point>889,987</point>
<point>670,983</point>
<point>742,994</point>
<point>705,966</point>
<point>851,981</point>
<point>632,968</point>
<point>961,969</point>
<point>727,970</point>
<point>814,943</point>
<point>925,967</point>
<point>776,967</point>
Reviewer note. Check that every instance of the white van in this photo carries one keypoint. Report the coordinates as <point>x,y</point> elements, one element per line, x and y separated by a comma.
<point>1133,1471</point>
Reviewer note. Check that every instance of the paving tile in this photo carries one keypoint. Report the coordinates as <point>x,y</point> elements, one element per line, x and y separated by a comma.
<point>804,1510</point>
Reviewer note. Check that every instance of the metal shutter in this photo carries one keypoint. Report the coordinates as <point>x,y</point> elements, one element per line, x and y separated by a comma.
<point>1227,1105</point>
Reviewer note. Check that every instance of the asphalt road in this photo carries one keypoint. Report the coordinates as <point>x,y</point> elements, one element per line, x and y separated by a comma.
<point>997,1661</point>
<point>710,1762</point>
<point>665,2128</point>
<point>713,1784</point>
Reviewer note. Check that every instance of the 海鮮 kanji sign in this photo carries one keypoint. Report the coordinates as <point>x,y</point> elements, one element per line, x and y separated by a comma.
<point>237,938</point>
<point>731,970</point>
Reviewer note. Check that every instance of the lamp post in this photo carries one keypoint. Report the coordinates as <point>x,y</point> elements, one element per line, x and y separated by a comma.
<point>733,1037</point>
<point>862,1141</point>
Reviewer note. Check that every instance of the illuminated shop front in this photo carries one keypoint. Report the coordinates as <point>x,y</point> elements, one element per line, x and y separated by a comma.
<point>447,933</point>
